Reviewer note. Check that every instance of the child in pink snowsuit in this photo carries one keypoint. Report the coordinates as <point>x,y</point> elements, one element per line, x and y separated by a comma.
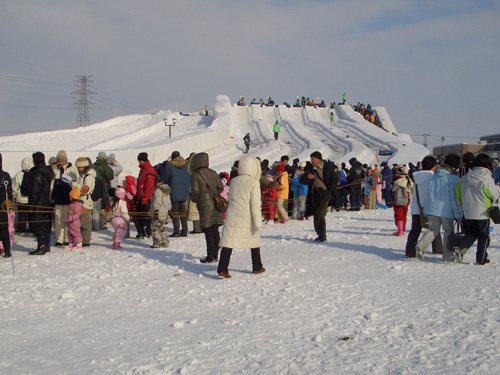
<point>121,219</point>
<point>75,210</point>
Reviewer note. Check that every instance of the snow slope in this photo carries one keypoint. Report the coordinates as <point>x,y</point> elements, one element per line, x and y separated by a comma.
<point>302,132</point>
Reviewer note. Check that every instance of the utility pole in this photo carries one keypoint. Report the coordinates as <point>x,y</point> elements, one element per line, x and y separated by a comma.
<point>82,95</point>
<point>425,139</point>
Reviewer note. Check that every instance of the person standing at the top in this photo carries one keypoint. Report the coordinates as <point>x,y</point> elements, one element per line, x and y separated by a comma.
<point>276,130</point>
<point>344,98</point>
<point>206,110</point>
<point>176,175</point>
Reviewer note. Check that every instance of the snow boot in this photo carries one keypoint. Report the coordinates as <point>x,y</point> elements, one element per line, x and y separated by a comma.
<point>401,230</point>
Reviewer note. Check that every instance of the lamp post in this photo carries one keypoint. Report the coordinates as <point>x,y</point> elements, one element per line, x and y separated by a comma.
<point>165,120</point>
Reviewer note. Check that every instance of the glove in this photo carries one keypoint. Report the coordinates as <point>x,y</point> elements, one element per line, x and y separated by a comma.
<point>84,190</point>
<point>144,201</point>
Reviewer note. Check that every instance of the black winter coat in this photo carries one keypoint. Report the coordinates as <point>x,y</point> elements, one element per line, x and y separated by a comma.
<point>37,182</point>
<point>4,218</point>
<point>201,194</point>
<point>331,180</point>
<point>355,177</point>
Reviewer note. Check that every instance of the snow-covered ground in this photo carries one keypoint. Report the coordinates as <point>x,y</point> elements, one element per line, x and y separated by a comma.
<point>352,305</point>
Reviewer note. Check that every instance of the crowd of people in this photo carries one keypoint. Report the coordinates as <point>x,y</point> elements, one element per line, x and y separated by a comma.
<point>69,199</point>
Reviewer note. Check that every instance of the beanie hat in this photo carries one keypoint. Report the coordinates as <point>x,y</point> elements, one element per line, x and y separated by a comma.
<point>119,192</point>
<point>82,162</point>
<point>52,160</point>
<point>143,156</point>
<point>175,154</point>
<point>75,194</point>
<point>62,155</point>
<point>317,155</point>
<point>101,154</point>
<point>280,168</point>
<point>302,164</point>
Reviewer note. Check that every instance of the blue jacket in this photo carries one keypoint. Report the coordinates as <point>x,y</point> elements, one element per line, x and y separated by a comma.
<point>298,188</point>
<point>441,199</point>
<point>387,177</point>
<point>176,175</point>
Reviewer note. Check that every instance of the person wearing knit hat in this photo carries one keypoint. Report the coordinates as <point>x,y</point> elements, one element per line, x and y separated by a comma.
<point>52,161</point>
<point>116,167</point>
<point>62,155</point>
<point>102,155</point>
<point>283,192</point>
<point>86,184</point>
<point>73,222</point>
<point>322,182</point>
<point>121,218</point>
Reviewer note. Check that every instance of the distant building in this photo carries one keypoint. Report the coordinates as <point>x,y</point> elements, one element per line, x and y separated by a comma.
<point>492,147</point>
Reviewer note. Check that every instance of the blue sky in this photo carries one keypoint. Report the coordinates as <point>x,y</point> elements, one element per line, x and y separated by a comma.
<point>432,64</point>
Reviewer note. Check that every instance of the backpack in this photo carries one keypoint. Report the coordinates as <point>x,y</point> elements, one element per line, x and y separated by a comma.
<point>99,191</point>
<point>160,167</point>
<point>400,196</point>
<point>26,184</point>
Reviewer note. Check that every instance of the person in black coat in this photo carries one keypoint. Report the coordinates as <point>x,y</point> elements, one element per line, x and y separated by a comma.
<point>323,181</point>
<point>36,185</point>
<point>5,198</point>
<point>354,178</point>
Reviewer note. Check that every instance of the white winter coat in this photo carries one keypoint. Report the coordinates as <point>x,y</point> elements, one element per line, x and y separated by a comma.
<point>422,179</point>
<point>476,192</point>
<point>26,165</point>
<point>243,216</point>
<point>160,201</point>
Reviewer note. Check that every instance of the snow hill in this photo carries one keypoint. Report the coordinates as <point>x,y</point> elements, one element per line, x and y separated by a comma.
<point>303,130</point>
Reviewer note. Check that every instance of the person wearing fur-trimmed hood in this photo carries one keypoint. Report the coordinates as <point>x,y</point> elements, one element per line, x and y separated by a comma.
<point>205,184</point>
<point>243,217</point>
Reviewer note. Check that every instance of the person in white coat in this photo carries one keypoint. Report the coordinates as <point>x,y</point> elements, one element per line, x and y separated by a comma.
<point>243,216</point>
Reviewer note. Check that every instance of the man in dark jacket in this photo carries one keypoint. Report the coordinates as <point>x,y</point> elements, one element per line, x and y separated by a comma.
<point>176,175</point>
<point>5,198</point>
<point>356,175</point>
<point>323,181</point>
<point>36,185</point>
<point>103,171</point>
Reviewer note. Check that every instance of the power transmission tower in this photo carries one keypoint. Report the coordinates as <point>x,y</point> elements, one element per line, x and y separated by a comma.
<point>82,95</point>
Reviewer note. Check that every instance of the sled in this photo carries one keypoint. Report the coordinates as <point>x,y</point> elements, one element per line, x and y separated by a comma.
<point>383,206</point>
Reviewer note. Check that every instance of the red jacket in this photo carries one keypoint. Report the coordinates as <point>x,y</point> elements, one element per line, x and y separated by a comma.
<point>146,181</point>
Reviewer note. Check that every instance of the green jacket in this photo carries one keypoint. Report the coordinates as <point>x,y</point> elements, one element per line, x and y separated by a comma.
<point>276,128</point>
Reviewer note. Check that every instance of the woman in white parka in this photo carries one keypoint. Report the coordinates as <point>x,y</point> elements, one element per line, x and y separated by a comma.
<point>243,217</point>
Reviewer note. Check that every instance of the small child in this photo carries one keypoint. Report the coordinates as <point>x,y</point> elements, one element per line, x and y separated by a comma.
<point>121,219</point>
<point>401,196</point>
<point>270,195</point>
<point>160,205</point>
<point>76,209</point>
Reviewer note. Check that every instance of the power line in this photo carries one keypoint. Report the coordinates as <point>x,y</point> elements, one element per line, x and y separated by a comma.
<point>29,80</point>
<point>31,106</point>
